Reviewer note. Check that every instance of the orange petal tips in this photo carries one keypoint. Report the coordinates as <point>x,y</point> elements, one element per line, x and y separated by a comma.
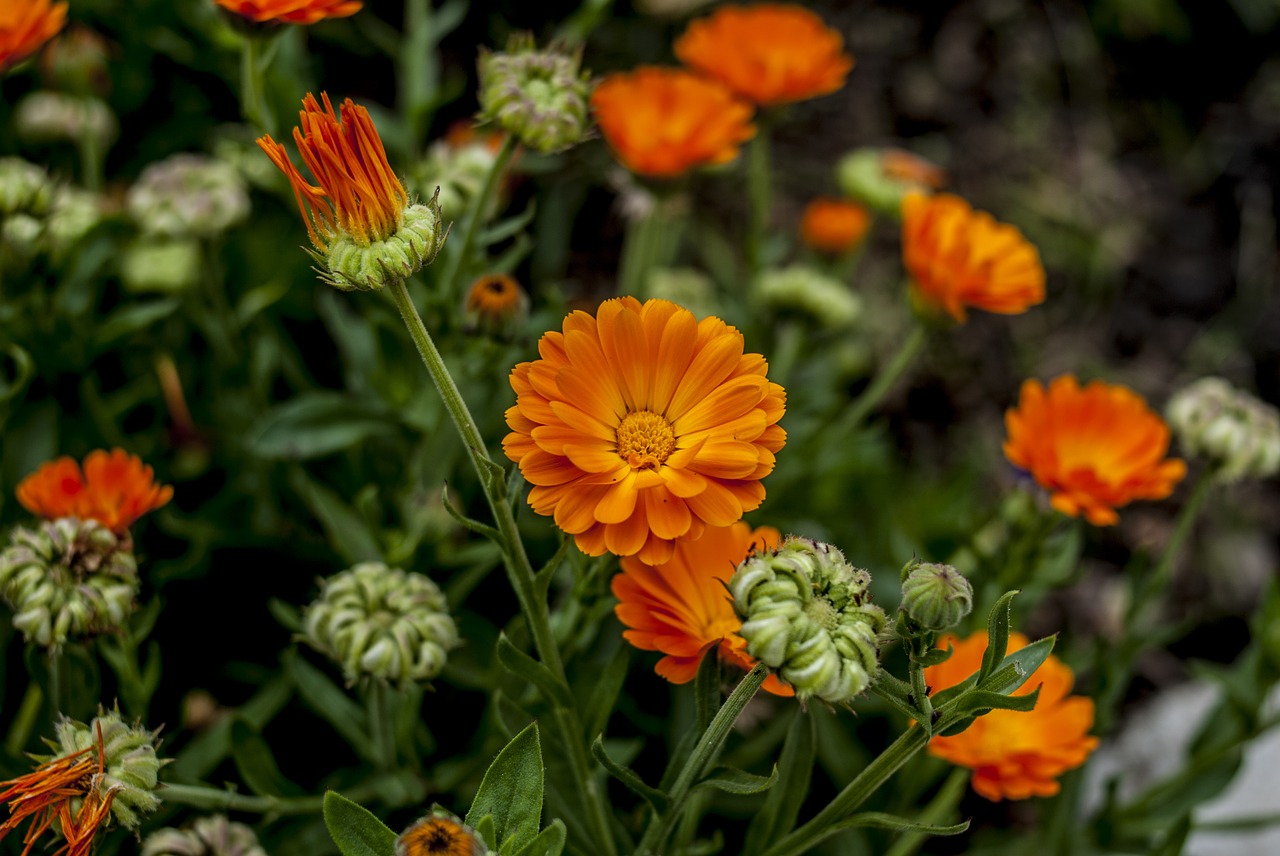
<point>25,25</point>
<point>113,488</point>
<point>290,11</point>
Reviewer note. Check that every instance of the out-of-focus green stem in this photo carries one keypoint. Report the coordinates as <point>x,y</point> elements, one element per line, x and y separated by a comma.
<point>937,812</point>
<point>253,102</point>
<point>419,77</point>
<point>759,194</point>
<point>382,723</point>
<point>1147,596</point>
<point>887,377</point>
<point>216,799</point>
<point>474,219</point>
<point>89,148</point>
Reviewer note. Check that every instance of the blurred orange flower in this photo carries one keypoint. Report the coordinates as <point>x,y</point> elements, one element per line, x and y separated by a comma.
<point>959,257</point>
<point>913,169</point>
<point>115,489</point>
<point>663,122</point>
<point>768,54</point>
<point>357,195</point>
<point>681,607</point>
<point>834,226</point>
<point>1015,754</point>
<point>25,25</point>
<point>495,296</point>
<point>291,11</point>
<point>642,426</point>
<point>1095,448</point>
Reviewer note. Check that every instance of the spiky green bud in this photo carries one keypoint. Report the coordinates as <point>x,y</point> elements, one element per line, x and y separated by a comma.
<point>188,195</point>
<point>540,97</point>
<point>804,291</point>
<point>352,266</point>
<point>936,597</point>
<point>130,766</point>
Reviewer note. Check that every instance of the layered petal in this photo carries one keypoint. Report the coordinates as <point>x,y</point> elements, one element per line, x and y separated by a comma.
<point>114,488</point>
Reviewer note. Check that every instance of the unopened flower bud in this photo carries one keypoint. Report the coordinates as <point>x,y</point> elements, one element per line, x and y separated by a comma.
<point>24,188</point>
<point>382,622</point>
<point>355,266</point>
<point>440,832</point>
<point>47,117</point>
<point>68,578</point>
<point>496,305</point>
<point>161,265</point>
<point>539,97</point>
<point>805,291</point>
<point>806,613</point>
<point>881,178</point>
<point>73,213</point>
<point>22,231</point>
<point>936,596</point>
<point>1235,432</point>
<point>130,766</point>
<point>188,195</point>
<point>207,836</point>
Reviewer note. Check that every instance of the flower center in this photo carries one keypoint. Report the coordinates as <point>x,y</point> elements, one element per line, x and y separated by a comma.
<point>645,440</point>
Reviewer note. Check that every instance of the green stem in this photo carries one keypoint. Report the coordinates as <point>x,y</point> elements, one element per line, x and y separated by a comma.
<point>1149,590</point>
<point>759,194</point>
<point>419,78</point>
<point>253,102</point>
<point>887,377</point>
<point>707,747</point>
<point>25,721</point>
<point>216,799</point>
<point>786,352</point>
<point>919,691</point>
<point>637,251</point>
<point>382,723</point>
<point>474,219</point>
<point>57,678</point>
<point>89,148</point>
<point>939,810</point>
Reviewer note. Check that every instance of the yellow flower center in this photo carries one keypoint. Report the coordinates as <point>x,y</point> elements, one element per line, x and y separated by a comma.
<point>645,440</point>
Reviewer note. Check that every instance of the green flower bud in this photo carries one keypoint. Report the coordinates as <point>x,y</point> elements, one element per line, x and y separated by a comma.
<point>803,290</point>
<point>130,766</point>
<point>353,266</point>
<point>50,117</point>
<point>806,613</point>
<point>440,832</point>
<point>382,622</point>
<point>880,178</point>
<point>168,266</point>
<point>68,578</point>
<point>207,836</point>
<point>73,213</point>
<point>936,596</point>
<point>188,196</point>
<point>24,188</point>
<point>22,231</point>
<point>538,96</point>
<point>1236,433</point>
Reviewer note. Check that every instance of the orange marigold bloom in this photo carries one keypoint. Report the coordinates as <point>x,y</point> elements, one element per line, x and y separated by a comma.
<point>1015,754</point>
<point>25,25</point>
<point>959,257</point>
<point>1095,448</point>
<point>663,122</point>
<point>495,296</point>
<point>47,793</point>
<point>642,426</point>
<point>768,54</point>
<point>358,195</point>
<point>291,11</point>
<point>682,608</point>
<point>114,488</point>
<point>834,226</point>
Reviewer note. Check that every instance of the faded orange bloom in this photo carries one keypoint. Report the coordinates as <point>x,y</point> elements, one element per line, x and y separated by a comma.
<point>682,607</point>
<point>642,426</point>
<point>1015,754</point>
<point>768,54</point>
<point>357,195</point>
<point>437,835</point>
<point>1095,449</point>
<point>25,25</point>
<point>496,296</point>
<point>46,795</point>
<point>290,11</point>
<point>114,488</point>
<point>834,226</point>
<point>913,169</point>
<point>663,122</point>
<point>958,257</point>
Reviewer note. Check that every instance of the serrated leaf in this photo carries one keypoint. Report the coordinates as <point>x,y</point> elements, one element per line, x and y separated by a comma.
<point>511,790</point>
<point>737,781</point>
<point>354,828</point>
<point>655,797</point>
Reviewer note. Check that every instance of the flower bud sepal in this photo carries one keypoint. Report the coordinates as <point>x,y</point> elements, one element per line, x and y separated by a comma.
<point>349,265</point>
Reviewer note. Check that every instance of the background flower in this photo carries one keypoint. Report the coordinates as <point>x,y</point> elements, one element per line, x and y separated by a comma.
<point>115,489</point>
<point>834,226</point>
<point>25,25</point>
<point>291,11</point>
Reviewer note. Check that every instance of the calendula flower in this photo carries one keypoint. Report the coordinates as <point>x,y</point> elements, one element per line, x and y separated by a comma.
<point>663,122</point>
<point>290,11</point>
<point>440,833</point>
<point>1094,448</point>
<point>1015,754</point>
<point>113,488</point>
<point>496,303</point>
<point>358,215</point>
<point>540,97</point>
<point>883,177</point>
<point>835,226</point>
<point>769,54</point>
<point>642,426</point>
<point>958,257</point>
<point>681,608</point>
<point>25,25</point>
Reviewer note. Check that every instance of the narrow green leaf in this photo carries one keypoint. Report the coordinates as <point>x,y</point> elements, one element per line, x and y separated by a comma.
<point>348,534</point>
<point>707,687</point>
<point>23,369</point>
<point>255,763</point>
<point>485,829</point>
<point>466,522</point>
<point>782,806</point>
<point>978,702</point>
<point>354,828</point>
<point>880,820</point>
<point>604,695</point>
<point>655,797</point>
<point>522,665</point>
<point>997,634</point>
<point>207,750</point>
<point>549,842</point>
<point>316,423</point>
<point>326,699</point>
<point>511,790</point>
<point>130,319</point>
<point>735,781</point>
<point>936,656</point>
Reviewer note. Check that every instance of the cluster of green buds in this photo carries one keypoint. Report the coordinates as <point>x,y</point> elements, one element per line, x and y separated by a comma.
<point>68,578</point>
<point>188,195</point>
<point>382,622</point>
<point>51,117</point>
<point>1236,433</point>
<point>801,290</point>
<point>688,287</point>
<point>806,613</point>
<point>539,97</point>
<point>934,597</point>
<point>207,836</point>
<point>130,765</point>
<point>26,193</point>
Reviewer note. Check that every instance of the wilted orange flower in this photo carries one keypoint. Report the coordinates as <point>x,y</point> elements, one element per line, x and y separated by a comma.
<point>768,54</point>
<point>25,25</point>
<point>959,257</point>
<point>47,793</point>
<point>663,122</point>
<point>291,11</point>
<point>358,195</point>
<point>495,296</point>
<point>115,489</point>
<point>1016,754</point>
<point>913,169</point>
<point>643,426</point>
<point>834,226</point>
<point>1095,448</point>
<point>682,608</point>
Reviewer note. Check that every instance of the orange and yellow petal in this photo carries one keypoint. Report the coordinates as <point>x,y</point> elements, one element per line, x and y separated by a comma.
<point>25,25</point>
<point>113,488</point>
<point>291,11</point>
<point>834,226</point>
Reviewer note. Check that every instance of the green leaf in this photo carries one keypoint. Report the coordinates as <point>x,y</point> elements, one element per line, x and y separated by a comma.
<point>130,319</point>
<point>522,665</point>
<point>255,763</point>
<point>484,828</point>
<point>331,703</point>
<point>23,368</point>
<point>314,424</point>
<point>595,715</point>
<point>206,750</point>
<point>795,770</point>
<point>737,781</point>
<point>655,797</point>
<point>354,828</point>
<point>880,820</point>
<point>549,842</point>
<point>997,634</point>
<point>346,531</point>
<point>1014,671</point>
<point>466,522</point>
<point>511,790</point>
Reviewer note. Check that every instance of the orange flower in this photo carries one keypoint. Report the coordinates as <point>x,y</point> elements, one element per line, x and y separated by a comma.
<point>47,793</point>
<point>1095,448</point>
<point>642,426</point>
<point>358,194</point>
<point>25,25</point>
<point>496,296</point>
<point>291,11</point>
<point>1015,754</point>
<point>663,122</point>
<point>834,226</point>
<point>912,169</point>
<point>768,54</point>
<point>959,257</point>
<point>681,607</point>
<point>115,489</point>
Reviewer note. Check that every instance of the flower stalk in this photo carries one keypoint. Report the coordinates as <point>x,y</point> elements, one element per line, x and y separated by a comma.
<point>474,219</point>
<point>886,378</point>
<point>253,101</point>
